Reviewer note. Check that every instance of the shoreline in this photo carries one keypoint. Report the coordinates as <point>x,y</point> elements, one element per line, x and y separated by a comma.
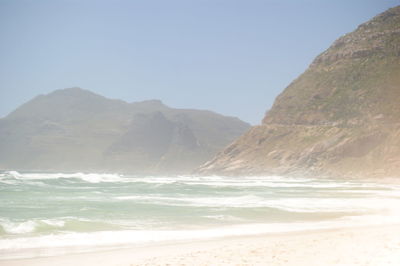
<point>372,245</point>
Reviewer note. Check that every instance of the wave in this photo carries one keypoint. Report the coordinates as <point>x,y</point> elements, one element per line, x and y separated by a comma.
<point>91,177</point>
<point>30,226</point>
<point>221,217</point>
<point>37,226</point>
<point>149,207</point>
<point>322,205</point>
<point>13,177</point>
<point>94,240</point>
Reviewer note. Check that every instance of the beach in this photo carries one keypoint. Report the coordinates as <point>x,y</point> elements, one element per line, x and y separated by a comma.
<point>372,245</point>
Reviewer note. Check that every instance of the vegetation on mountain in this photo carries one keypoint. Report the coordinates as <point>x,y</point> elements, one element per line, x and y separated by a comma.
<point>76,130</point>
<point>341,117</point>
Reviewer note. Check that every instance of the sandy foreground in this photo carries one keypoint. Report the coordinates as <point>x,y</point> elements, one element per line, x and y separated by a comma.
<point>349,246</point>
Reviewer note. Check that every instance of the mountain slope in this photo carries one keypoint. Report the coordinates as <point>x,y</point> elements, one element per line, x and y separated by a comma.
<point>77,130</point>
<point>340,117</point>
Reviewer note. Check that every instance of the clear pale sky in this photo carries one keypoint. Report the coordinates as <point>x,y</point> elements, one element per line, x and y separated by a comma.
<point>229,56</point>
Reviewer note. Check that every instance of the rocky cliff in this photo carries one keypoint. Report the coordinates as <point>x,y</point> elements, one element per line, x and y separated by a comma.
<point>341,117</point>
<point>76,130</point>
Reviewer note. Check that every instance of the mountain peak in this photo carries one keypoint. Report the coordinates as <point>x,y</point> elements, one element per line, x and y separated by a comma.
<point>376,37</point>
<point>76,130</point>
<point>390,13</point>
<point>343,83</point>
<point>341,117</point>
<point>151,102</point>
<point>73,91</point>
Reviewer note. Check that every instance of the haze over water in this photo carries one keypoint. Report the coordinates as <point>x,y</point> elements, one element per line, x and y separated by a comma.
<point>51,213</point>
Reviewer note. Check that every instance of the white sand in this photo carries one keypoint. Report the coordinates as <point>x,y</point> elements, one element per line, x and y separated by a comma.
<point>351,246</point>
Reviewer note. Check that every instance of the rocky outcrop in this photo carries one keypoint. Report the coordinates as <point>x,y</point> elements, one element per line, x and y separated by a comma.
<point>76,130</point>
<point>341,117</point>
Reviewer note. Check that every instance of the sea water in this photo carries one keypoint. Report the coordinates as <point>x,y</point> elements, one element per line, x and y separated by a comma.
<point>44,214</point>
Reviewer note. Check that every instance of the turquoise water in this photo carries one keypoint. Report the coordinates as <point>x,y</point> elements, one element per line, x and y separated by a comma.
<point>62,212</point>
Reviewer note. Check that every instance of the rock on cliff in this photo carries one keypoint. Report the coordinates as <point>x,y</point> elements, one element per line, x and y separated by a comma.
<point>341,117</point>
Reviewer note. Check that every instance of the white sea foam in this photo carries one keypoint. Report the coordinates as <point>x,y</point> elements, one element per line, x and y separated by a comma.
<point>287,204</point>
<point>266,181</point>
<point>94,240</point>
<point>12,227</point>
<point>226,199</point>
<point>18,228</point>
<point>55,223</point>
<point>212,181</point>
<point>224,217</point>
<point>91,177</point>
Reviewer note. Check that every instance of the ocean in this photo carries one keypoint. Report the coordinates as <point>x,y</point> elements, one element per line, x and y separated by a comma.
<point>45,214</point>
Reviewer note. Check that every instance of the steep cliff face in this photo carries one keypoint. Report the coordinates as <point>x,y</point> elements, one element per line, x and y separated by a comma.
<point>340,117</point>
<point>76,130</point>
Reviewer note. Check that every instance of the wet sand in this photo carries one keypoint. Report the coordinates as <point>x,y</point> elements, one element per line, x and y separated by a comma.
<point>373,245</point>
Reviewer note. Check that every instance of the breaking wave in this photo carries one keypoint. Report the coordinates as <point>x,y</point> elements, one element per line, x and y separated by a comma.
<point>80,211</point>
<point>91,177</point>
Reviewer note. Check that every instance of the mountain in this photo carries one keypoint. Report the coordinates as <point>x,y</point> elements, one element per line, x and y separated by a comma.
<point>76,130</point>
<point>341,117</point>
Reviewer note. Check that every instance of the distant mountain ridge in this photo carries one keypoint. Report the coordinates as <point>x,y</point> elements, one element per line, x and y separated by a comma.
<point>341,117</point>
<point>77,130</point>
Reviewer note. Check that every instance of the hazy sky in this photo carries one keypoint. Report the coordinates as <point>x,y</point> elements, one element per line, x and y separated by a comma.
<point>233,57</point>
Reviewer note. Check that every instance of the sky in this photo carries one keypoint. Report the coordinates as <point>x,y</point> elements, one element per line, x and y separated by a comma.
<point>229,56</point>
